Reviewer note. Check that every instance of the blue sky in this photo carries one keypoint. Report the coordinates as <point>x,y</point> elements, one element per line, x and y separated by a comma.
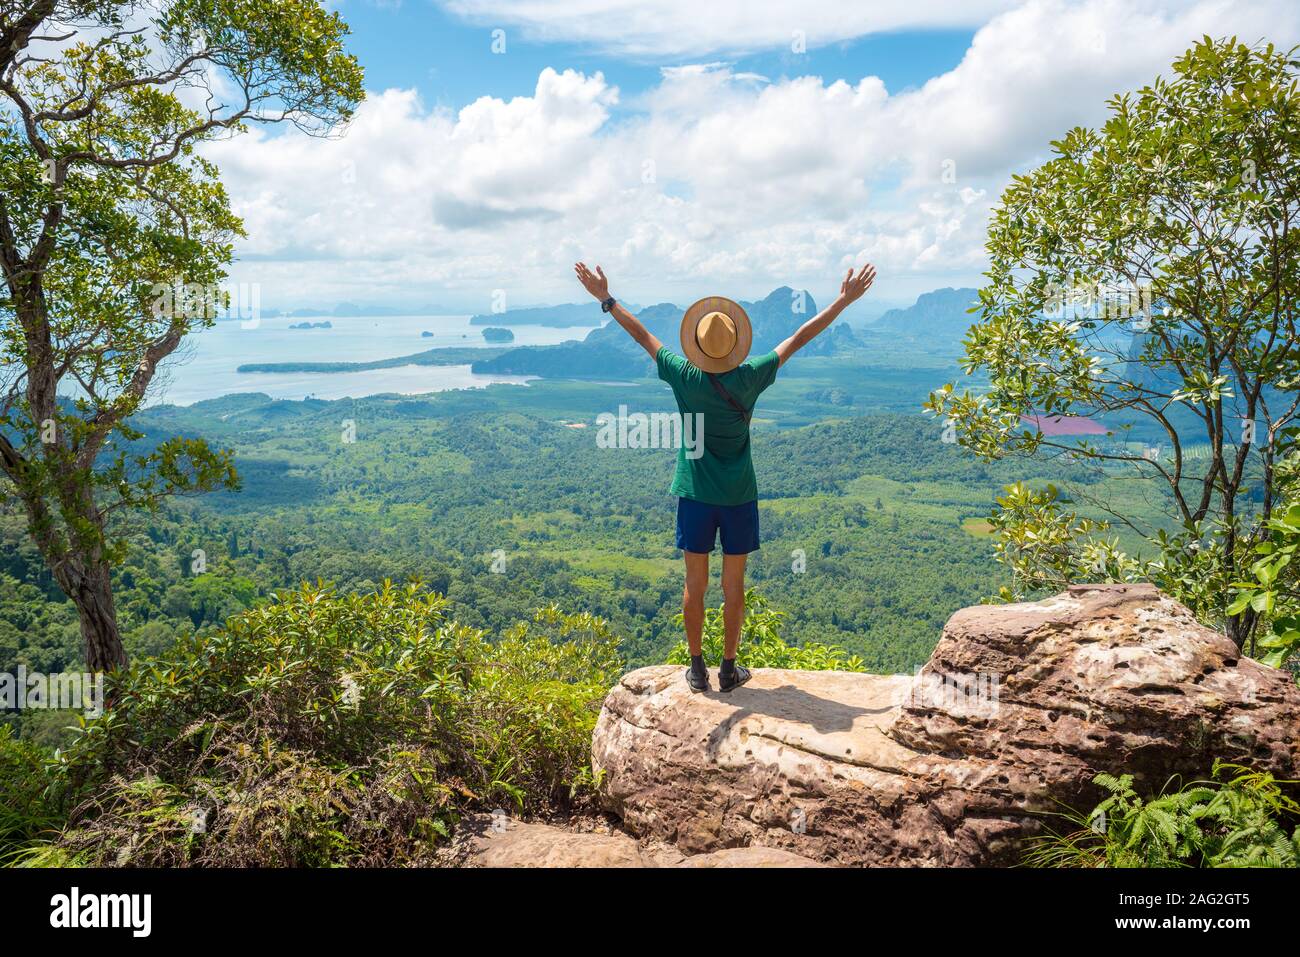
<point>450,61</point>
<point>691,148</point>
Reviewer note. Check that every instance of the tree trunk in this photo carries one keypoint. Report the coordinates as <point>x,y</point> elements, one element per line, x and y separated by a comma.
<point>90,589</point>
<point>77,567</point>
<point>1241,627</point>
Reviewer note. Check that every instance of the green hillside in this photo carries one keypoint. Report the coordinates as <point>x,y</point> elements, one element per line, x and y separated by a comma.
<point>435,486</point>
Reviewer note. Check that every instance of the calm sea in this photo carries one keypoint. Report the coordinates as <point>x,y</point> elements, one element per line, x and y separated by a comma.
<point>204,366</point>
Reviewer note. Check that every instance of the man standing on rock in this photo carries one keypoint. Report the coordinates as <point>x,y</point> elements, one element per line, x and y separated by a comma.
<point>717,493</point>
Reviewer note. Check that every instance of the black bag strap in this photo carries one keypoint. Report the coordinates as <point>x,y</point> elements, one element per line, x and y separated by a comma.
<point>744,413</point>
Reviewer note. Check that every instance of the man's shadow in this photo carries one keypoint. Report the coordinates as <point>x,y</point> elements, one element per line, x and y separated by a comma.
<point>788,703</point>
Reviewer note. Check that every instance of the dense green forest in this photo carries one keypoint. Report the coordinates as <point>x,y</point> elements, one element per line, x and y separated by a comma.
<point>502,500</point>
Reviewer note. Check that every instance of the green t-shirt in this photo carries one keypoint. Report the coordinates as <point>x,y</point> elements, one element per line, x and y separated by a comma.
<point>723,473</point>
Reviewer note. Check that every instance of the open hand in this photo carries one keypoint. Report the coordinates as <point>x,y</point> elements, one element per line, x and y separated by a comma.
<point>853,287</point>
<point>594,282</point>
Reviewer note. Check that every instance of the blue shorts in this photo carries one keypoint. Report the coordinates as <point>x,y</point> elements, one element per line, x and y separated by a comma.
<point>698,525</point>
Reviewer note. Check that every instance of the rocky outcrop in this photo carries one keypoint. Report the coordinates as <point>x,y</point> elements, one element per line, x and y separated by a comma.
<point>497,841</point>
<point>752,856</point>
<point>1016,711</point>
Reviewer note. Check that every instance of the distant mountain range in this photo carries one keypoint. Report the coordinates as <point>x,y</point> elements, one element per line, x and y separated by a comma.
<point>938,319</point>
<point>610,353</point>
<point>939,313</point>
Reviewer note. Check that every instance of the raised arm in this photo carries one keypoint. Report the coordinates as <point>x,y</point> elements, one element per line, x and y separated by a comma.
<point>596,284</point>
<point>851,291</point>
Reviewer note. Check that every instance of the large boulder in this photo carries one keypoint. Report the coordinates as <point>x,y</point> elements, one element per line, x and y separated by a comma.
<point>485,840</point>
<point>498,841</point>
<point>1016,711</point>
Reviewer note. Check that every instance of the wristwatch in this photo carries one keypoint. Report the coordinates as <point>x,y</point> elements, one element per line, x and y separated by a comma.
<point>607,304</point>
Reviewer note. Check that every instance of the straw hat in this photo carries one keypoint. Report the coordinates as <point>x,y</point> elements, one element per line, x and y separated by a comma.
<point>716,334</point>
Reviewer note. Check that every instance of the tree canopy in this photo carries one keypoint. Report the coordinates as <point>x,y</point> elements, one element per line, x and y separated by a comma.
<point>115,234</point>
<point>1147,276</point>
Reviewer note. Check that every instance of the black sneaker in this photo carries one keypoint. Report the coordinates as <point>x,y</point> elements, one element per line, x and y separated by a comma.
<point>733,677</point>
<point>697,680</point>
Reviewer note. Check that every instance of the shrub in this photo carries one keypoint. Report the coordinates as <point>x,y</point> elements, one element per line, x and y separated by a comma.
<point>327,729</point>
<point>761,645</point>
<point>1238,818</point>
<point>25,814</point>
<point>1273,589</point>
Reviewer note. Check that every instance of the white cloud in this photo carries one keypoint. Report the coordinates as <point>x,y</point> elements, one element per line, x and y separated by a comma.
<point>715,181</point>
<point>689,28</point>
<point>1036,71</point>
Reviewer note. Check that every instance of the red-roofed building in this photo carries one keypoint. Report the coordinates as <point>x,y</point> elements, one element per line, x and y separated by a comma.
<point>1063,424</point>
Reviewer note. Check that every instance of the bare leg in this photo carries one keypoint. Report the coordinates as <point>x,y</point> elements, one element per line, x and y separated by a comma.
<point>697,583</point>
<point>733,596</point>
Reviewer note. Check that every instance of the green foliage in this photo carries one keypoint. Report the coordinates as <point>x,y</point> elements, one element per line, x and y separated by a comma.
<point>761,645</point>
<point>1147,276</point>
<point>25,814</point>
<point>1046,547</point>
<point>878,516</point>
<point>1272,588</point>
<point>116,234</point>
<point>325,729</point>
<point>1238,818</point>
